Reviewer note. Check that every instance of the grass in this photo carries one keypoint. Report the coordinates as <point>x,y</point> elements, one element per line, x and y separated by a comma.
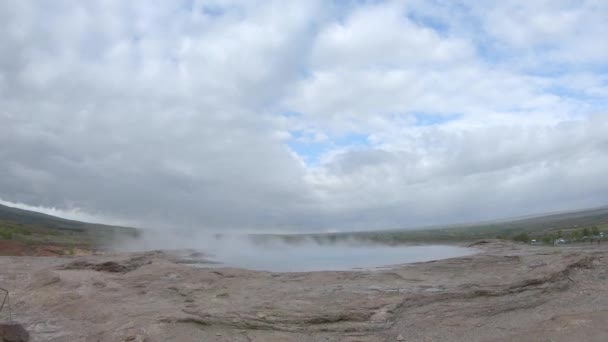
<point>34,228</point>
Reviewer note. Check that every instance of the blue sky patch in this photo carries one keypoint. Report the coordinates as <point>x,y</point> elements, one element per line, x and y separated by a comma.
<point>425,119</point>
<point>291,114</point>
<point>311,151</point>
<point>213,11</point>
<point>578,94</point>
<point>425,21</point>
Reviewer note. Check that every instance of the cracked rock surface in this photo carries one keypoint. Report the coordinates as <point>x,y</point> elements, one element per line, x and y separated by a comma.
<point>506,292</point>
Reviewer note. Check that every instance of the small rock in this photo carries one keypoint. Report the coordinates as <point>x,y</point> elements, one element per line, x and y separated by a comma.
<point>13,332</point>
<point>44,278</point>
<point>400,338</point>
<point>136,338</point>
<point>218,334</point>
<point>73,296</point>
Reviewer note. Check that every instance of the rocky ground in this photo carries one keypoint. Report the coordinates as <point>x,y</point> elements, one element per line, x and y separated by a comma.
<point>506,292</point>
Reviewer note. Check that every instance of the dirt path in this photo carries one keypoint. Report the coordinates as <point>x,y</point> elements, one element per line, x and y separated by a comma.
<point>505,293</point>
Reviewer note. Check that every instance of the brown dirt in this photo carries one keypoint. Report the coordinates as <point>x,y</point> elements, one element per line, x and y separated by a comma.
<point>507,292</point>
<point>108,266</point>
<point>17,248</point>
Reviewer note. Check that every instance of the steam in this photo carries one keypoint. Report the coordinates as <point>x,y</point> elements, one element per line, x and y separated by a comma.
<point>284,253</point>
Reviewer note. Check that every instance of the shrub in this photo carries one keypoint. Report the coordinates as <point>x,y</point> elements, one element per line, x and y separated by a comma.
<point>586,232</point>
<point>6,235</point>
<point>522,237</point>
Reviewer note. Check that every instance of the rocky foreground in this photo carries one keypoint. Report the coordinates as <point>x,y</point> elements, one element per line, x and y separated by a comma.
<point>506,292</point>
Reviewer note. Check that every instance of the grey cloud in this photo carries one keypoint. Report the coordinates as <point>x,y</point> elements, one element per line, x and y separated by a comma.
<point>482,173</point>
<point>169,117</point>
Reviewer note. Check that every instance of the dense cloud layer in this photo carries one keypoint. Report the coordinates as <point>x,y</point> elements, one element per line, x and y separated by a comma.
<point>302,115</point>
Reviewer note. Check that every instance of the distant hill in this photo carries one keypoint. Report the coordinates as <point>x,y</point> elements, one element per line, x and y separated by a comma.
<point>28,217</point>
<point>34,227</point>
<point>31,228</point>
<point>538,226</point>
<point>547,221</point>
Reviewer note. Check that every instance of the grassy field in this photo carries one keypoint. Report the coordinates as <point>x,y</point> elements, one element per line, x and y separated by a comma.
<point>29,228</point>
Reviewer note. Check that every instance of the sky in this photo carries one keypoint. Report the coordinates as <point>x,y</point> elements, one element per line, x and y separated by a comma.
<point>303,116</point>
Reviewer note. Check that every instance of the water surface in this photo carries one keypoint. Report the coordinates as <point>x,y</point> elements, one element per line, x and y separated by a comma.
<point>315,257</point>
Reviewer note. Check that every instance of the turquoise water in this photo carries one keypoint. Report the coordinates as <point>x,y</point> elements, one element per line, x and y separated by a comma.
<point>313,257</point>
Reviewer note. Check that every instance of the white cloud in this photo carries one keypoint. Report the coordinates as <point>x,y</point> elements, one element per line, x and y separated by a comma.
<point>180,114</point>
<point>383,37</point>
<point>562,31</point>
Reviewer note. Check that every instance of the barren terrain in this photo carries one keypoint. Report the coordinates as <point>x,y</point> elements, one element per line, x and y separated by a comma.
<point>506,292</point>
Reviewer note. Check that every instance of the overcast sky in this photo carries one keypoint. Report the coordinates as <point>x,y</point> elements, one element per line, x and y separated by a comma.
<point>302,115</point>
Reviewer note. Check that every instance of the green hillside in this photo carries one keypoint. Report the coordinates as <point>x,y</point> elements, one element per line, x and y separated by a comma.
<point>36,228</point>
<point>546,226</point>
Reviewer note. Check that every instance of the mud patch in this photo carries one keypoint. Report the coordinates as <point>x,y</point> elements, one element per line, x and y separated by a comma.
<point>108,266</point>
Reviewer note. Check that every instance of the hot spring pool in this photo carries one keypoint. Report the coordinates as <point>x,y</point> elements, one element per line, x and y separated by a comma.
<point>315,257</point>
